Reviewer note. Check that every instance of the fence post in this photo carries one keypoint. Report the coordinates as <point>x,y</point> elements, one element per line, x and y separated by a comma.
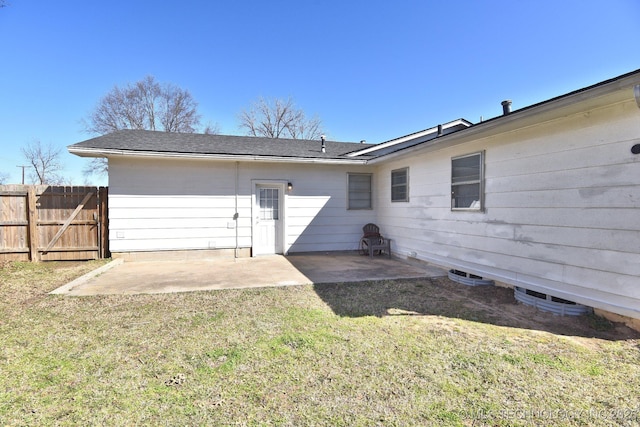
<point>103,212</point>
<point>32,218</point>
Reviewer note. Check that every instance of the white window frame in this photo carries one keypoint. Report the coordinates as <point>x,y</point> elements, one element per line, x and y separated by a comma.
<point>406,185</point>
<point>474,205</point>
<point>349,202</point>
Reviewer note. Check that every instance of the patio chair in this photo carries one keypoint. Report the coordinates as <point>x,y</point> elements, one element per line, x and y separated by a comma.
<point>373,242</point>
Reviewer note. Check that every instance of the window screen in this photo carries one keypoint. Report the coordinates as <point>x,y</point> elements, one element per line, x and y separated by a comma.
<point>466,182</point>
<point>400,185</point>
<point>359,191</point>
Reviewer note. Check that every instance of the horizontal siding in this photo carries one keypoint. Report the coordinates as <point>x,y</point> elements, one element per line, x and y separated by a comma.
<point>561,206</point>
<point>172,201</point>
<point>323,223</point>
<point>604,218</point>
<point>175,223</point>
<point>587,197</point>
<point>162,244</point>
<point>184,212</point>
<point>588,238</point>
<point>601,176</point>
<point>186,204</point>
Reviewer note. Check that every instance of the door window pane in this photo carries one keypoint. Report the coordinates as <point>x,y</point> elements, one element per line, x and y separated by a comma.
<point>268,200</point>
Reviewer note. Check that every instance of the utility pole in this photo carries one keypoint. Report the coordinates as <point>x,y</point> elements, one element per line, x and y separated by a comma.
<point>22,166</point>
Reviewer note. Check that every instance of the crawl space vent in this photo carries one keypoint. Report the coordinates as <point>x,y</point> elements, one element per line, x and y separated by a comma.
<point>468,279</point>
<point>550,303</point>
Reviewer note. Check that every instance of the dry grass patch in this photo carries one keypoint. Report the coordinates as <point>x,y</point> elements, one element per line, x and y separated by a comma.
<point>413,352</point>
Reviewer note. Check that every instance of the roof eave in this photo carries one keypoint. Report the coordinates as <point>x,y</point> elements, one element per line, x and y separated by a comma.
<point>98,152</point>
<point>415,135</point>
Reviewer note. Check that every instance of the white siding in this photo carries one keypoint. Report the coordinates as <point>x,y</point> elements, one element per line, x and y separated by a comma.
<point>562,207</point>
<point>179,204</point>
<point>317,218</point>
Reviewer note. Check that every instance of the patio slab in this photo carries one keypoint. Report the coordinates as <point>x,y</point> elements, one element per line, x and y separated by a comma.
<point>227,273</point>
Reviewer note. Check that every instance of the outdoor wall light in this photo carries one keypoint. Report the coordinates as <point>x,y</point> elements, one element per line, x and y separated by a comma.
<point>289,186</point>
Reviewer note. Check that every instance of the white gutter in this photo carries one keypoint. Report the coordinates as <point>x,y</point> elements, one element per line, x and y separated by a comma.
<point>97,152</point>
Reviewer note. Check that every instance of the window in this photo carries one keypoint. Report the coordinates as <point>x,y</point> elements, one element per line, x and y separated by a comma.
<point>359,191</point>
<point>400,185</point>
<point>269,204</point>
<point>467,176</point>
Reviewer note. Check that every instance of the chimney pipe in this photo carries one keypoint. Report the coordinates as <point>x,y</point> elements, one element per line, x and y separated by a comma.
<point>506,107</point>
<point>439,130</point>
<point>324,149</point>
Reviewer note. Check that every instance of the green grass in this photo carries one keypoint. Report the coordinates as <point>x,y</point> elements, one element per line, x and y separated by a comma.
<point>413,352</point>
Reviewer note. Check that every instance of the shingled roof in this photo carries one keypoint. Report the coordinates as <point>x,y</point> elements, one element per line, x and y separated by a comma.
<point>144,142</point>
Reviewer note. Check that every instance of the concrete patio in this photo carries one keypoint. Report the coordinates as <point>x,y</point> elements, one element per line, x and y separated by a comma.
<point>152,277</point>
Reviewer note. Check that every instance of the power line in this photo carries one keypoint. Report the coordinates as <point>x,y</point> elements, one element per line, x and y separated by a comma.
<point>22,166</point>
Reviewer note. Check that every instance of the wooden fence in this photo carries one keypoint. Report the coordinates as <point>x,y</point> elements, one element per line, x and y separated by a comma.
<point>46,223</point>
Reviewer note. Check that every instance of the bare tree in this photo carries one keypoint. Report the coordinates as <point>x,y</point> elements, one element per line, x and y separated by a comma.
<point>45,161</point>
<point>211,129</point>
<point>145,104</point>
<point>178,110</point>
<point>279,118</point>
<point>96,166</point>
<point>4,177</point>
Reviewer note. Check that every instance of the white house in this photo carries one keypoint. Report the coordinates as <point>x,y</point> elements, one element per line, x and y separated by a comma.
<point>546,197</point>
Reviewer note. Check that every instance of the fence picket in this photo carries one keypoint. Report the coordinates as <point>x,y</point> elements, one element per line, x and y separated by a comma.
<point>39,222</point>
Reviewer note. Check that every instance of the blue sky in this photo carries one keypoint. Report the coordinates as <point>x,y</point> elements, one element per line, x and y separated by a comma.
<point>372,70</point>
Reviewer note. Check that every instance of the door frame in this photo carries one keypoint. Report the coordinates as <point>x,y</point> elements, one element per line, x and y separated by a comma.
<point>281,185</point>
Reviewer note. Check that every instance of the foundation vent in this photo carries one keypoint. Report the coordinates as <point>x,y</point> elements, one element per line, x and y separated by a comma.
<point>550,303</point>
<point>469,279</point>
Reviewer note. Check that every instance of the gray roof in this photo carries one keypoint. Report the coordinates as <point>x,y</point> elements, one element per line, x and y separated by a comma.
<point>144,141</point>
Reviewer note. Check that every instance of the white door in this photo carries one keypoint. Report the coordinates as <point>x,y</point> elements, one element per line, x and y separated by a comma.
<point>268,220</point>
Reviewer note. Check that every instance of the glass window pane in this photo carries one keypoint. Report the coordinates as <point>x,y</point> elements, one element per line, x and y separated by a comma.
<point>465,169</point>
<point>269,204</point>
<point>466,196</point>
<point>466,182</point>
<point>359,196</point>
<point>399,185</point>
<point>398,193</point>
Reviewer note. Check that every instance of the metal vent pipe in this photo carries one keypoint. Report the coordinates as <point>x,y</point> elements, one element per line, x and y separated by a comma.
<point>506,107</point>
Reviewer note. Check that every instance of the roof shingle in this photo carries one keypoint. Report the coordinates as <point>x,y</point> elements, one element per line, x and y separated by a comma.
<point>145,141</point>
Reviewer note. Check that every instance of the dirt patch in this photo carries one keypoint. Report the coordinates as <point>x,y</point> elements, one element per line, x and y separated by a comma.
<point>499,304</point>
<point>443,297</point>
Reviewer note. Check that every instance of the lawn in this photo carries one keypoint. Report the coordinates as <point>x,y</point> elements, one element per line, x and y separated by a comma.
<point>406,352</point>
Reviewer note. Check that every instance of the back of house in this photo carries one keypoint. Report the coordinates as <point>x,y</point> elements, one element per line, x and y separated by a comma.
<point>546,197</point>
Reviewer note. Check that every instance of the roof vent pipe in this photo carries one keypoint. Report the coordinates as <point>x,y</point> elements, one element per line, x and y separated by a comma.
<point>324,148</point>
<point>439,130</point>
<point>506,107</point>
<point>363,141</point>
